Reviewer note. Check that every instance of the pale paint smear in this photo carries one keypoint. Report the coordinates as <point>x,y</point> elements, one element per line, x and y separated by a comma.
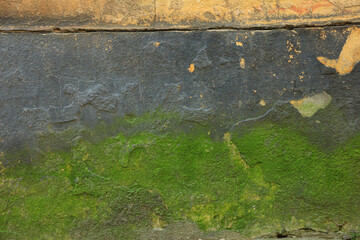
<point>308,106</point>
<point>349,56</point>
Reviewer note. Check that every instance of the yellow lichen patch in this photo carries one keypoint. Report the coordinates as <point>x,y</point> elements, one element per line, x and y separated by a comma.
<point>191,68</point>
<point>349,56</point>
<point>308,106</point>
<point>262,103</point>
<point>242,63</point>
<point>211,215</point>
<point>239,44</point>
<point>234,150</point>
<point>227,137</point>
<point>156,44</point>
<point>258,190</point>
<point>257,194</point>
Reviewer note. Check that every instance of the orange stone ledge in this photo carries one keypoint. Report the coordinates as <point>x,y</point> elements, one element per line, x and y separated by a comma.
<point>176,14</point>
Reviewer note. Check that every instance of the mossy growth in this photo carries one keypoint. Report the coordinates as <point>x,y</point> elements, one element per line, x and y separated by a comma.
<point>355,236</point>
<point>266,180</point>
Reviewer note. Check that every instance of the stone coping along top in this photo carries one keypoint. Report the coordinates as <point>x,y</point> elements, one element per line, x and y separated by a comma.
<point>173,14</point>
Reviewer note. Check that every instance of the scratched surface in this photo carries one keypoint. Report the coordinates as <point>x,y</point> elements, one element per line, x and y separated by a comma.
<point>52,82</point>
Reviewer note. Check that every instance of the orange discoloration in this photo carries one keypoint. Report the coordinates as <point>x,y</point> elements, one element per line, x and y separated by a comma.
<point>191,68</point>
<point>156,44</point>
<point>320,5</point>
<point>297,103</point>
<point>349,56</point>
<point>239,44</point>
<point>299,10</point>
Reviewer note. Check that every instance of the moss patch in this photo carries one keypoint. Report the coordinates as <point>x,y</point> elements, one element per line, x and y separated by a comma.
<point>269,179</point>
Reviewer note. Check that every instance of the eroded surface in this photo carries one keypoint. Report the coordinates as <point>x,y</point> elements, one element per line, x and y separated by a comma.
<point>173,13</point>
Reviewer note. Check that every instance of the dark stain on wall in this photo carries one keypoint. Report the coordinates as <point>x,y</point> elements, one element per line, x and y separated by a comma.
<point>51,82</point>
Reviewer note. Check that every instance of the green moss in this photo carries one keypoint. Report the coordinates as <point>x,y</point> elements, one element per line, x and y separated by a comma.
<point>355,236</point>
<point>310,180</point>
<point>270,178</point>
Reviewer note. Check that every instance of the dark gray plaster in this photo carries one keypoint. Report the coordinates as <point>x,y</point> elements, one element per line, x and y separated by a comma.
<point>57,81</point>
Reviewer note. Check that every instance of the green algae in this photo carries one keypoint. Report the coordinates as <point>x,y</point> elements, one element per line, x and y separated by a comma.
<point>319,188</point>
<point>266,180</point>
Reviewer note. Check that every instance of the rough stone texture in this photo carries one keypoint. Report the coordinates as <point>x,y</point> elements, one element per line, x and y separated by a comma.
<point>244,124</point>
<point>45,14</point>
<point>51,82</point>
<point>277,106</point>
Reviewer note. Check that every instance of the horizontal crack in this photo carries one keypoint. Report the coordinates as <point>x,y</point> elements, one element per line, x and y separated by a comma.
<point>175,28</point>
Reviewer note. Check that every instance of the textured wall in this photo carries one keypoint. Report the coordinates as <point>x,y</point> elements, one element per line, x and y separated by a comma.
<point>161,119</point>
<point>54,81</point>
<point>36,14</point>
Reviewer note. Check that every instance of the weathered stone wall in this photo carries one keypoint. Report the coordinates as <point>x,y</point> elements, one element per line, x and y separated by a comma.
<point>164,14</point>
<point>152,119</point>
<point>58,81</point>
